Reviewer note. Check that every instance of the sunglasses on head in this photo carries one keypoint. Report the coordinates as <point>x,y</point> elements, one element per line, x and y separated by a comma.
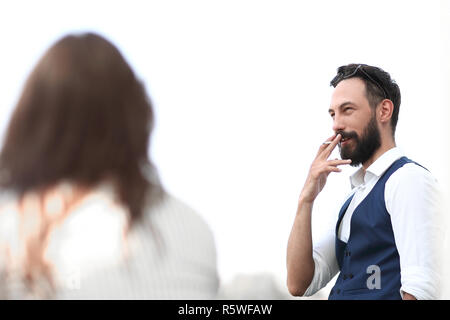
<point>359,69</point>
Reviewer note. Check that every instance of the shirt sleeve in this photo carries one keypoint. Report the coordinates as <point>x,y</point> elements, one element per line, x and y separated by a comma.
<point>325,263</point>
<point>414,201</point>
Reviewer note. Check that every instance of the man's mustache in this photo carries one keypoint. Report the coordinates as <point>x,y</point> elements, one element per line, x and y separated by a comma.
<point>347,135</point>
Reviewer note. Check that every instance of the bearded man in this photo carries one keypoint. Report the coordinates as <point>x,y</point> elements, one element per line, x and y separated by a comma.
<point>388,231</point>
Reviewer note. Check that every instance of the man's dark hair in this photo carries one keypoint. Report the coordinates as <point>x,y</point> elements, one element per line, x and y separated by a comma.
<point>379,86</point>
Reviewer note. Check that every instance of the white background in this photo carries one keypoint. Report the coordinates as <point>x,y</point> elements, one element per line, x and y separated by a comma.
<point>241,93</point>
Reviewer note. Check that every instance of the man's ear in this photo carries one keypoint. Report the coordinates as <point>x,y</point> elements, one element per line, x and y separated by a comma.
<point>385,110</point>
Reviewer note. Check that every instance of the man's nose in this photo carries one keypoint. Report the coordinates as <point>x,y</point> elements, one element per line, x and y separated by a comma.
<point>338,125</point>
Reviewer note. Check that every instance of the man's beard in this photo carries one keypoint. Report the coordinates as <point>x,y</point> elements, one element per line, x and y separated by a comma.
<point>364,147</point>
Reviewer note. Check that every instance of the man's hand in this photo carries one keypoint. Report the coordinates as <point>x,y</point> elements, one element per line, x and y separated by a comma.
<point>407,296</point>
<point>320,169</point>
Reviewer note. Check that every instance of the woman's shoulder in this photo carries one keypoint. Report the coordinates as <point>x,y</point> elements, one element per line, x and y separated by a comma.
<point>171,214</point>
<point>170,205</point>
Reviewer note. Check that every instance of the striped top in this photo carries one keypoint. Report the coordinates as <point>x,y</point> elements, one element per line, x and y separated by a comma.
<point>169,254</point>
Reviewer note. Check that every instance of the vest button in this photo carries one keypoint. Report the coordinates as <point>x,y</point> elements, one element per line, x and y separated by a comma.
<point>350,276</point>
<point>338,291</point>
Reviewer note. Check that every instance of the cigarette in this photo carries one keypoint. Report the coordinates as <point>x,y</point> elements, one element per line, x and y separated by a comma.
<point>327,142</point>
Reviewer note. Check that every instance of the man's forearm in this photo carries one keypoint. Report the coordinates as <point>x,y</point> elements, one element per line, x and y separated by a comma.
<point>300,264</point>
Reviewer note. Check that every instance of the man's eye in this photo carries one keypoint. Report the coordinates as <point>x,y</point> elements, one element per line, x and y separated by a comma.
<point>348,109</point>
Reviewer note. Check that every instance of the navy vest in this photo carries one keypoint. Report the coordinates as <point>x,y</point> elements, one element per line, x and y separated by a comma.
<point>369,262</point>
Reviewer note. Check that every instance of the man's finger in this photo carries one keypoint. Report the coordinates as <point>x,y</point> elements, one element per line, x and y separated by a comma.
<point>339,162</point>
<point>329,148</point>
<point>333,169</point>
<point>325,144</point>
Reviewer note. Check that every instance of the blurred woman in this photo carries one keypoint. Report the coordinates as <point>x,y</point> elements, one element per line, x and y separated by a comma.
<point>82,212</point>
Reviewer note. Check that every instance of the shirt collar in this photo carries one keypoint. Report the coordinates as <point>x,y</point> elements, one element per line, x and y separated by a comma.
<point>377,168</point>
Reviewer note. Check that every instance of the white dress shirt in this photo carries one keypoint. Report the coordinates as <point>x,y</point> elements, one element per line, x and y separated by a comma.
<point>413,200</point>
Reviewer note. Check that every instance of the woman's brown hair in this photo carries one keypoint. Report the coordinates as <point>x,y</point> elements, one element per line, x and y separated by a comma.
<point>83,117</point>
